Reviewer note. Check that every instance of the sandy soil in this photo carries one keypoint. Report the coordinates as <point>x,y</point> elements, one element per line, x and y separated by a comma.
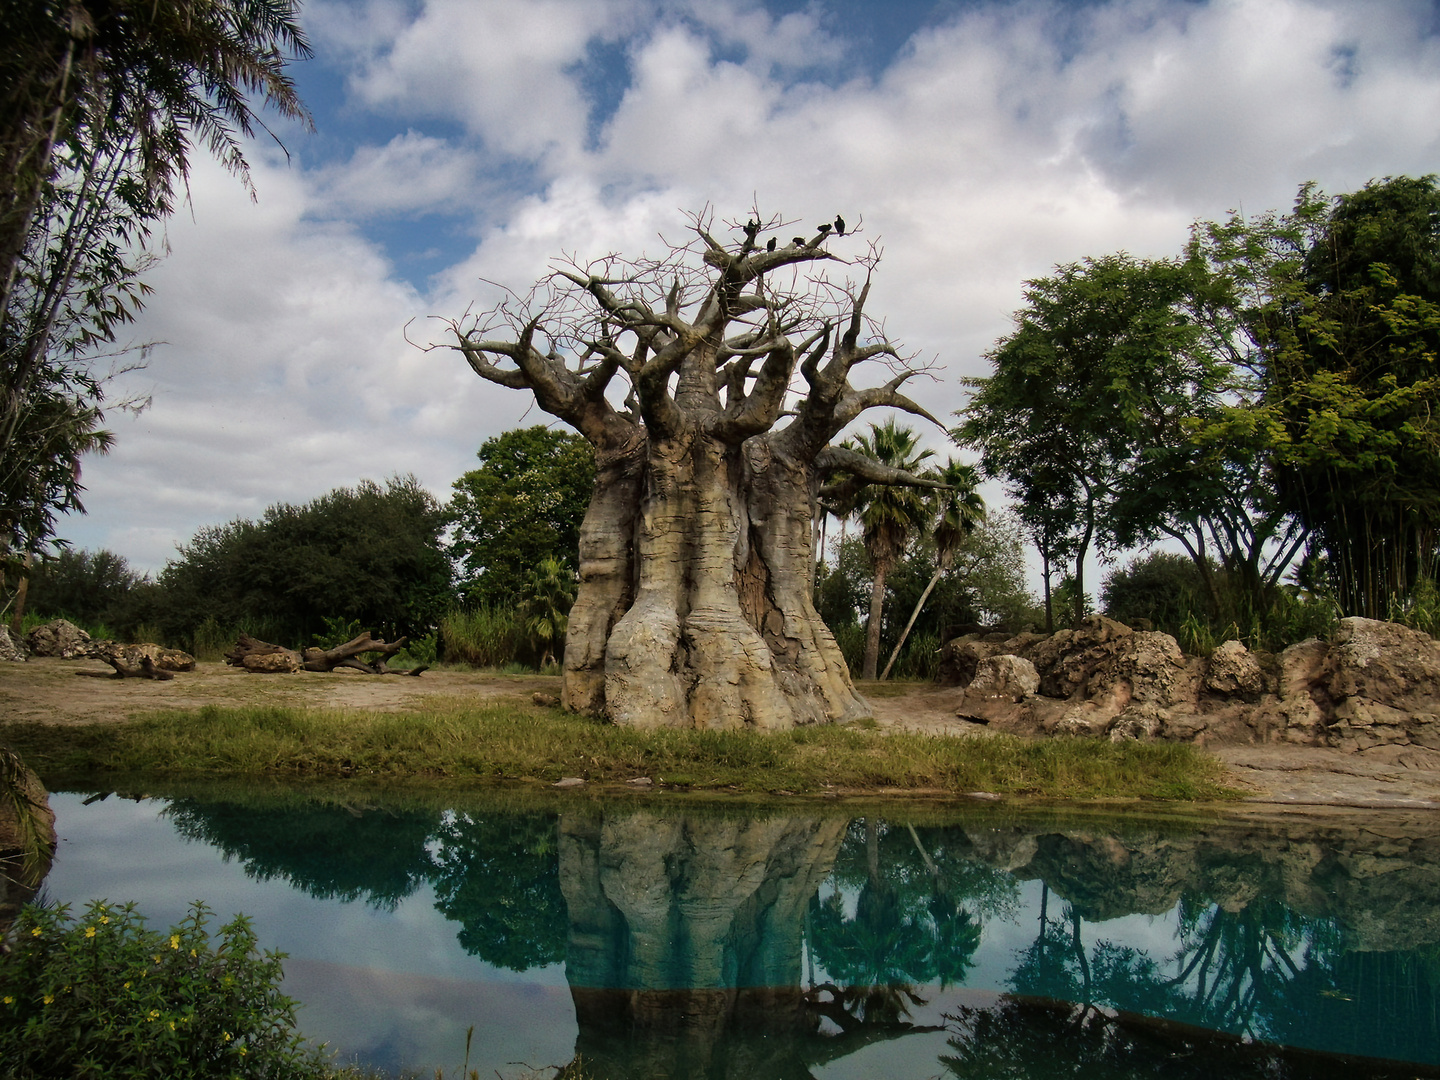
<point>48,690</point>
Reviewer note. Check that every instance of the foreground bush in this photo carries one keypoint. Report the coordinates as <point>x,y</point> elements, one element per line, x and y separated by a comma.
<point>103,996</point>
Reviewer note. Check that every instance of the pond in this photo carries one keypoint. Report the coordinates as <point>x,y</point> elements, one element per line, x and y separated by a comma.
<point>656,937</point>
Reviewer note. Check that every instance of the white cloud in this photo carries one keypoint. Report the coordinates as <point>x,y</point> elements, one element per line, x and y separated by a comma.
<point>1008,139</point>
<point>412,173</point>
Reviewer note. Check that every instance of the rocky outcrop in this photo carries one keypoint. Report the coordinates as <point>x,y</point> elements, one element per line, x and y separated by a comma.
<point>1374,684</point>
<point>59,637</point>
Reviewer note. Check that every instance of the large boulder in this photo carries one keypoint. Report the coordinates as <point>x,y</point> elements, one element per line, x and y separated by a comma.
<point>960,657</point>
<point>133,656</point>
<point>1233,671</point>
<point>1068,660</point>
<point>59,637</point>
<point>10,649</point>
<point>1383,682</point>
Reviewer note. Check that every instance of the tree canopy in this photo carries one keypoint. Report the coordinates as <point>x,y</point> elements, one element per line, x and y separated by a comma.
<point>524,504</point>
<point>369,553</point>
<point>1272,388</point>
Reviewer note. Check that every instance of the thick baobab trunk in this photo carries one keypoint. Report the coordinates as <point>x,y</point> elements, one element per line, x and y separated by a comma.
<point>607,574</point>
<point>722,632</point>
<point>721,629</point>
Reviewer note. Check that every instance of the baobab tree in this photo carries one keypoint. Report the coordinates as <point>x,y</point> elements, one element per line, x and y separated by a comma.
<point>737,366</point>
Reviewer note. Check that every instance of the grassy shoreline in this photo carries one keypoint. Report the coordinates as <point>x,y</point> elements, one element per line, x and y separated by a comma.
<point>455,744</point>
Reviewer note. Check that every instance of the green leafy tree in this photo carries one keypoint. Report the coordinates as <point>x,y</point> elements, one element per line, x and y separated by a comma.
<point>1359,401</point>
<point>85,586</point>
<point>525,503</point>
<point>1103,369</point>
<point>1163,588</point>
<point>1333,323</point>
<point>368,553</point>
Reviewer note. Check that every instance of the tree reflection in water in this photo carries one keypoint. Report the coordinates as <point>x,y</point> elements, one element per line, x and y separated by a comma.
<point>730,945</point>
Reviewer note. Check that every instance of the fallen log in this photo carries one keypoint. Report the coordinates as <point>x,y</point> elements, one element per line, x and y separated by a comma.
<point>259,656</point>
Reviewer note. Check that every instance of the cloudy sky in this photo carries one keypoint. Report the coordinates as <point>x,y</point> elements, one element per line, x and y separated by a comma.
<point>458,140</point>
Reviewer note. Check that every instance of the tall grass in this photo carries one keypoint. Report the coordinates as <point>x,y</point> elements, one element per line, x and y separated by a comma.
<point>483,637</point>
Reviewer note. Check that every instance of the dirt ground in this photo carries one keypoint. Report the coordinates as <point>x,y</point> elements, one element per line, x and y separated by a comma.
<point>48,690</point>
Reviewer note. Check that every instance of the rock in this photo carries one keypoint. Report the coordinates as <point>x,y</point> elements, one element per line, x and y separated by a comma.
<point>277,663</point>
<point>1140,721</point>
<point>59,637</point>
<point>960,657</point>
<point>1234,672</point>
<point>1067,660</point>
<point>568,781</point>
<point>1084,720</point>
<point>1005,675</point>
<point>133,656</point>
<point>1383,662</point>
<point>10,649</point>
<point>641,781</point>
<point>1376,685</point>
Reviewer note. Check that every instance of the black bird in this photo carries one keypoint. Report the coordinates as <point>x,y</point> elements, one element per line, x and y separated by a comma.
<point>752,226</point>
<point>799,241</point>
<point>823,229</point>
<point>839,225</point>
<point>771,245</point>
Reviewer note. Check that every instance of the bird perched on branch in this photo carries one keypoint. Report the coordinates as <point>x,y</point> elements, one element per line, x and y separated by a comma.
<point>770,246</point>
<point>798,241</point>
<point>839,225</point>
<point>823,229</point>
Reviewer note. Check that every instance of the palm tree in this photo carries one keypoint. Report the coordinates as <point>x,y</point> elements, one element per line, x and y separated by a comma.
<point>957,509</point>
<point>890,516</point>
<point>546,608</point>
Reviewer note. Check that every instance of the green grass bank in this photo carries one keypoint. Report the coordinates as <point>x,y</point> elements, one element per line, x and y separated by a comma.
<point>511,743</point>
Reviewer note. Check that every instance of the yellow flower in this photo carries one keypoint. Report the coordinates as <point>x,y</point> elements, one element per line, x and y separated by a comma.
<point>11,1001</point>
<point>243,1051</point>
<point>127,984</point>
<point>172,1025</point>
<point>227,1035</point>
<point>105,919</point>
<point>193,952</point>
<point>36,932</point>
<point>89,931</point>
<point>174,941</point>
<point>48,998</point>
<point>154,1014</point>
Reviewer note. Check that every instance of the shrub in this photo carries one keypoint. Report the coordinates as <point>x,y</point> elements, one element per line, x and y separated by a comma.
<point>103,996</point>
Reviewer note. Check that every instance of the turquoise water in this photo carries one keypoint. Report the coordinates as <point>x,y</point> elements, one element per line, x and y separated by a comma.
<point>664,939</point>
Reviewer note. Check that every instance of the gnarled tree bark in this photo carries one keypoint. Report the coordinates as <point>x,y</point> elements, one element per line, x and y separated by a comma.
<point>695,605</point>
